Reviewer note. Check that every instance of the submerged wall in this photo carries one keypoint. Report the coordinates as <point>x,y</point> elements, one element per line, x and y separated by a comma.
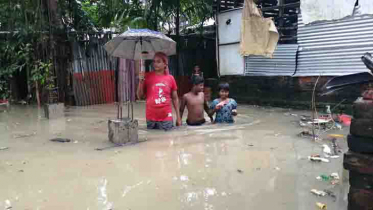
<point>294,92</point>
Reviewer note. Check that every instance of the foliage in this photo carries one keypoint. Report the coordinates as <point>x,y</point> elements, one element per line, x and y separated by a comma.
<point>78,16</point>
<point>15,57</point>
<point>91,9</point>
<point>41,73</point>
<point>154,14</point>
<point>26,23</point>
<point>191,12</point>
<point>120,15</point>
<point>30,24</point>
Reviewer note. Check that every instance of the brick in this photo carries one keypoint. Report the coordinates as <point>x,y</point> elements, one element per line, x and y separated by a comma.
<point>360,144</point>
<point>362,127</point>
<point>361,181</point>
<point>363,109</point>
<point>361,163</point>
<point>359,199</point>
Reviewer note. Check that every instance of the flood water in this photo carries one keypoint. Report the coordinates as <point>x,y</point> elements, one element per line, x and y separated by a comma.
<point>257,163</point>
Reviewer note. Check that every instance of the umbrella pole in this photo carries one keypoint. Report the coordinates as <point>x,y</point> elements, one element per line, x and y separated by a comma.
<point>117,74</point>
<point>128,96</point>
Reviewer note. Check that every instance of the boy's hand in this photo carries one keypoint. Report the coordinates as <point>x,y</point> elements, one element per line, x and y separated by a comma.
<point>234,112</point>
<point>142,76</point>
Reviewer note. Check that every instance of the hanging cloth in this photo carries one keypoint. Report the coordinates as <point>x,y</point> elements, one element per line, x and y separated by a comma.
<point>259,35</point>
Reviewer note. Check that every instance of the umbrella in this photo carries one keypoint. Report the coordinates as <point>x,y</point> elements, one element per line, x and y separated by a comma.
<point>139,44</point>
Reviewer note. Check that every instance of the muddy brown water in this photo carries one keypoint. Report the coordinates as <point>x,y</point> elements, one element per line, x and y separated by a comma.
<point>257,163</point>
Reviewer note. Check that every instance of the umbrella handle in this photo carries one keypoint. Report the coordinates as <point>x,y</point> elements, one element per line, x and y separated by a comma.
<point>142,65</point>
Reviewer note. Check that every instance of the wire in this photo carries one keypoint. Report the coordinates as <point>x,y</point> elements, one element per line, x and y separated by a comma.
<point>314,109</point>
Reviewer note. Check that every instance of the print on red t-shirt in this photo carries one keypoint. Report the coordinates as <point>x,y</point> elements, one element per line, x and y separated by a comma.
<point>158,96</point>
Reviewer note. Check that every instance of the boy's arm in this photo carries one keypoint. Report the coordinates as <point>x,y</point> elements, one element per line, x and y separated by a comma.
<point>140,89</point>
<point>175,101</point>
<point>182,106</point>
<point>209,112</point>
<point>234,110</point>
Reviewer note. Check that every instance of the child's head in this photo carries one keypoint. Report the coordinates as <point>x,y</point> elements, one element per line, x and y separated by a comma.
<point>223,90</point>
<point>198,83</point>
<point>196,70</point>
<point>160,62</point>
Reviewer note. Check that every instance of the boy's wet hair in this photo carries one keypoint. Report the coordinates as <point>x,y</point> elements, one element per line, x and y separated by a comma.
<point>223,86</point>
<point>196,80</point>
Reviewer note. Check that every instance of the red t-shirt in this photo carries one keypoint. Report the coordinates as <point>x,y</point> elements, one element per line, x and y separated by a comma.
<point>158,90</point>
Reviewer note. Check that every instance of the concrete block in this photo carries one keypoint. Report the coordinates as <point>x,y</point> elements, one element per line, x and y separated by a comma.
<point>53,111</point>
<point>361,163</point>
<point>123,131</point>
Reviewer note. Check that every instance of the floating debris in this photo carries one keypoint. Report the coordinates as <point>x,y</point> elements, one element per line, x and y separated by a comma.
<point>336,135</point>
<point>331,194</point>
<point>17,136</point>
<point>8,205</point>
<point>323,177</point>
<point>327,151</point>
<point>336,148</point>
<point>318,159</point>
<point>321,205</point>
<point>62,140</point>
<point>4,148</point>
<point>239,171</point>
<point>335,176</point>
<point>308,134</point>
<point>339,126</point>
<point>318,192</point>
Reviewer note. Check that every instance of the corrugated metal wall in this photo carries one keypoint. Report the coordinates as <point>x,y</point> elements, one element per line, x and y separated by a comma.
<point>93,78</point>
<point>333,48</point>
<point>283,62</point>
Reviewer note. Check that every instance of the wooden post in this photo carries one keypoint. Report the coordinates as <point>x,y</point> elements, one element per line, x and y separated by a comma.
<point>37,93</point>
<point>177,37</point>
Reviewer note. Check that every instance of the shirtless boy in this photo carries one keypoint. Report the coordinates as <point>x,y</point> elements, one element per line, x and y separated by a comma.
<point>195,103</point>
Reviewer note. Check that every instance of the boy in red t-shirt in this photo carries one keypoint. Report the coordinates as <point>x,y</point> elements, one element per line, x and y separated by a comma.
<point>159,88</point>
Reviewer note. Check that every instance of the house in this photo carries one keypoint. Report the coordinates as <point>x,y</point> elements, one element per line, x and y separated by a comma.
<point>304,53</point>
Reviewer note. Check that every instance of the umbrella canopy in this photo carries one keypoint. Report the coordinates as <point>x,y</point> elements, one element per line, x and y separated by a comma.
<point>138,44</point>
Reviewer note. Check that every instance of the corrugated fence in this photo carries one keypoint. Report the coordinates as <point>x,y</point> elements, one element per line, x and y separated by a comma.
<point>283,62</point>
<point>333,48</point>
<point>93,78</point>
